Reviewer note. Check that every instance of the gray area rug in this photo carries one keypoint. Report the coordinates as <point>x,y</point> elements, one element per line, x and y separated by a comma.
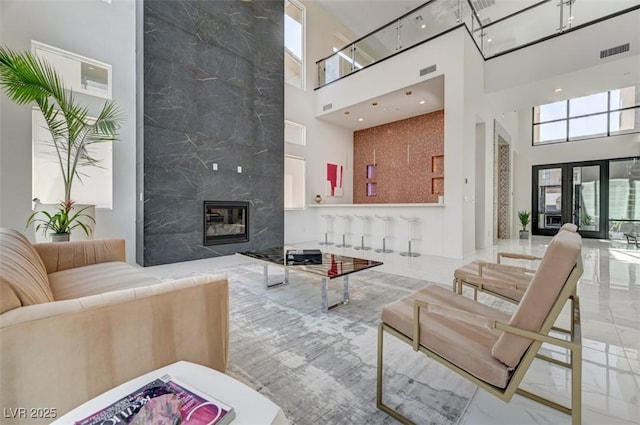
<point>321,368</point>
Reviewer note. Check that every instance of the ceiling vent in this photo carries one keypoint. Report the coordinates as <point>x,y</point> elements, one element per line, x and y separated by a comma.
<point>478,5</point>
<point>614,51</point>
<point>427,70</point>
<point>327,107</point>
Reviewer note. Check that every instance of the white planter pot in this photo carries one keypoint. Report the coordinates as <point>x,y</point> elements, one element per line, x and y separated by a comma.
<point>77,234</point>
<point>524,234</point>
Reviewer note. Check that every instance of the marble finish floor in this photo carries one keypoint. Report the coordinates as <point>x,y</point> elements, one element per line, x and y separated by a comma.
<point>610,305</point>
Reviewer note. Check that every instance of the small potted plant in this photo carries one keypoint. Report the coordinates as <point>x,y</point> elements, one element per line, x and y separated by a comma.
<point>59,225</point>
<point>525,218</point>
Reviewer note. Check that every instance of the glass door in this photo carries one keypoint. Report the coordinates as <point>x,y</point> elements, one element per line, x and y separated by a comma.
<point>547,205</point>
<point>586,196</point>
<point>624,198</point>
<point>569,193</point>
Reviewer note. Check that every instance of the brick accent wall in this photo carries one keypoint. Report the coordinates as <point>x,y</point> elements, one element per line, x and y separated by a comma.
<point>406,171</point>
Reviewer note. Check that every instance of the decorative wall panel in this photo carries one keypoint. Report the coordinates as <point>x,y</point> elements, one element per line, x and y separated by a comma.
<point>404,153</point>
<point>213,94</point>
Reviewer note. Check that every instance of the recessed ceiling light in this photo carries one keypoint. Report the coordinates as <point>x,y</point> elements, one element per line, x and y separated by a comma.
<point>346,112</point>
<point>374,103</point>
<point>422,102</point>
<point>360,119</point>
<point>489,40</point>
<point>558,90</point>
<point>408,93</point>
<point>423,26</point>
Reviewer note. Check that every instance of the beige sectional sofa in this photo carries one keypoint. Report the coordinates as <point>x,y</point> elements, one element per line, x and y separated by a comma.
<point>76,320</point>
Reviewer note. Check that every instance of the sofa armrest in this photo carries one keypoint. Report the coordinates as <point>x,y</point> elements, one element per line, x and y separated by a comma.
<point>60,354</point>
<point>58,256</point>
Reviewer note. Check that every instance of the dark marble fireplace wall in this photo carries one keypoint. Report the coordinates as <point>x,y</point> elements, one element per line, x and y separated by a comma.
<point>213,93</point>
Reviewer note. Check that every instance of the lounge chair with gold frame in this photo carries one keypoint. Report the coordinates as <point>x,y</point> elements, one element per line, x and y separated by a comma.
<point>500,280</point>
<point>489,347</point>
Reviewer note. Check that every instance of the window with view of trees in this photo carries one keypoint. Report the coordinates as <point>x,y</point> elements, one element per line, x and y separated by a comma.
<point>598,115</point>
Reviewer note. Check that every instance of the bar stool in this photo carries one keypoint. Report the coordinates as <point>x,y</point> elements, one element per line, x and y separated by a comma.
<point>328,220</point>
<point>365,219</point>
<point>387,222</point>
<point>410,222</point>
<point>346,221</point>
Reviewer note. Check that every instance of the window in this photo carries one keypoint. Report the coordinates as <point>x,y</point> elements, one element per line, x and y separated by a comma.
<point>294,182</point>
<point>295,133</point>
<point>96,186</point>
<point>294,44</point>
<point>597,115</point>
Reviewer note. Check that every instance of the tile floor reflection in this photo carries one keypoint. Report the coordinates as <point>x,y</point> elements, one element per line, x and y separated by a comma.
<point>609,294</point>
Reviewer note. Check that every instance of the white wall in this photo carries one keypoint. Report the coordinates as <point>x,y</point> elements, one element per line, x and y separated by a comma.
<point>575,51</point>
<point>325,142</point>
<point>91,28</point>
<point>457,58</point>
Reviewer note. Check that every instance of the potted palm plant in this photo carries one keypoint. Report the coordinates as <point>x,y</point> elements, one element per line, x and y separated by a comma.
<point>27,79</point>
<point>525,218</point>
<point>60,224</point>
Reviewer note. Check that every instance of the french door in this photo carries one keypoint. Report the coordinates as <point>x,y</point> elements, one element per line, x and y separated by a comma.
<point>570,193</point>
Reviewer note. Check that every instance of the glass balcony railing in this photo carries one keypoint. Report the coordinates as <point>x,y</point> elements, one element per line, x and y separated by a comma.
<point>423,23</point>
<point>545,19</point>
<point>537,22</point>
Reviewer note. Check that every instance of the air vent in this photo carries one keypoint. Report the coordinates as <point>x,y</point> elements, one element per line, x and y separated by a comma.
<point>478,5</point>
<point>427,70</point>
<point>327,106</point>
<point>614,51</point>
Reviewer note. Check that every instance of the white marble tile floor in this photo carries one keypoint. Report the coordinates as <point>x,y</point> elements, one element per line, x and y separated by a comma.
<point>610,305</point>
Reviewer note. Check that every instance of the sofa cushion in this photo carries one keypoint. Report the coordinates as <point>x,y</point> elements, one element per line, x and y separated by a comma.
<point>97,279</point>
<point>8,298</point>
<point>22,269</point>
<point>554,270</point>
<point>465,344</point>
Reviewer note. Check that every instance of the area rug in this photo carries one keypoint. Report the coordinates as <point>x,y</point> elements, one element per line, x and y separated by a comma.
<point>321,368</point>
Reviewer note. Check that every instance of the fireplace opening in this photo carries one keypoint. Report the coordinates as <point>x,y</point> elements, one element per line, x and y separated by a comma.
<point>225,222</point>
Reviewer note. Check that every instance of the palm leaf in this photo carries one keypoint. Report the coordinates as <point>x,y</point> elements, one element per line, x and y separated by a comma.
<point>28,79</point>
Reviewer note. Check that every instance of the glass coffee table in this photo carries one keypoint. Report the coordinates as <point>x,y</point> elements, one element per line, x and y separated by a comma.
<point>332,266</point>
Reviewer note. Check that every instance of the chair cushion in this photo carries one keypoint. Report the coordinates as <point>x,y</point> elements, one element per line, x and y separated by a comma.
<point>464,344</point>
<point>472,269</point>
<point>570,227</point>
<point>556,265</point>
<point>22,269</point>
<point>97,279</point>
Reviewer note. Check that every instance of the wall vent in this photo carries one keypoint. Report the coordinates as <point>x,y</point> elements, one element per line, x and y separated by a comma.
<point>478,5</point>
<point>327,106</point>
<point>427,70</point>
<point>614,51</point>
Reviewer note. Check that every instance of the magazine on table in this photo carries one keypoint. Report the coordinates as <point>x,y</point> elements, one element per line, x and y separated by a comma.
<point>164,401</point>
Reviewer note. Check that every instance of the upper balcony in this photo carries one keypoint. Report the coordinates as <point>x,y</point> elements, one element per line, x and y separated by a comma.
<point>537,22</point>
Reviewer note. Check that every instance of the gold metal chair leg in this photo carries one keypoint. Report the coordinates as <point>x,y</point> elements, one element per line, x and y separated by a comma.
<point>379,404</point>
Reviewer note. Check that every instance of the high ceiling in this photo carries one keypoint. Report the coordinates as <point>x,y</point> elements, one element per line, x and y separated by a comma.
<point>397,104</point>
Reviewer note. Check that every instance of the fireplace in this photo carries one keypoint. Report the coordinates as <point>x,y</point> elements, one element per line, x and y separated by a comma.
<point>225,222</point>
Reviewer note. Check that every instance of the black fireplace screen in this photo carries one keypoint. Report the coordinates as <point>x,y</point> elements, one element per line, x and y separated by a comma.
<point>225,222</point>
